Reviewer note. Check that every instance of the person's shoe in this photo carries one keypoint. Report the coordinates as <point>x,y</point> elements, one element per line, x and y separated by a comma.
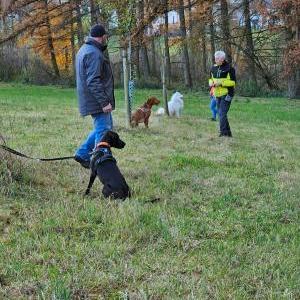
<point>213,119</point>
<point>225,135</point>
<point>83,162</point>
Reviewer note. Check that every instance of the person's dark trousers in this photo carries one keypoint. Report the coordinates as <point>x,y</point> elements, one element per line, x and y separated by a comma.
<point>223,108</point>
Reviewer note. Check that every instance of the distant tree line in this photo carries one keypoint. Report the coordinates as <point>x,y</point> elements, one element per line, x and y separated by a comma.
<point>39,40</point>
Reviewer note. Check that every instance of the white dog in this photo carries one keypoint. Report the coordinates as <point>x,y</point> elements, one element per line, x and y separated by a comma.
<point>175,106</point>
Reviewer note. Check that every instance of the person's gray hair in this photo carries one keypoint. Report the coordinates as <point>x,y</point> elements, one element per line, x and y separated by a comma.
<point>220,54</point>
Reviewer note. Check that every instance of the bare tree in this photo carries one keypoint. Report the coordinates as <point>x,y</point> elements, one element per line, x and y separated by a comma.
<point>144,52</point>
<point>203,47</point>
<point>185,53</point>
<point>212,34</point>
<point>50,40</point>
<point>249,43</point>
<point>94,12</point>
<point>225,27</point>
<point>166,43</point>
<point>153,53</point>
<point>80,35</point>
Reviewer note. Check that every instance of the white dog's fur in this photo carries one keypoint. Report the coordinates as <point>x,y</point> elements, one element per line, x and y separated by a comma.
<point>175,106</point>
<point>160,111</point>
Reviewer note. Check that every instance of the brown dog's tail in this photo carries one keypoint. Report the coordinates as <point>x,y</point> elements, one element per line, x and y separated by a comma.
<point>132,121</point>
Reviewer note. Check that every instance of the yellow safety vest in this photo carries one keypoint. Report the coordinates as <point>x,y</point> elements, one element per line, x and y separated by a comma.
<point>221,90</point>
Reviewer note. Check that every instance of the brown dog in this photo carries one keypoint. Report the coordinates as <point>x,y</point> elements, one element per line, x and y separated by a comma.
<point>142,114</point>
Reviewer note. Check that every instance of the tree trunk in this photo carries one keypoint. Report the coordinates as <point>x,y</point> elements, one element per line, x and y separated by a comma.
<point>145,62</point>
<point>166,44</point>
<point>203,49</point>
<point>144,51</point>
<point>294,85</point>
<point>163,79</point>
<point>212,35</point>
<point>264,73</point>
<point>249,44</point>
<point>66,59</point>
<point>190,17</point>
<point>293,35</point>
<point>5,28</point>
<point>121,65</point>
<point>153,51</point>
<point>293,80</point>
<point>137,61</point>
<point>50,41</point>
<point>126,92</point>
<point>73,47</point>
<point>94,12</point>
<point>136,43</point>
<point>79,23</point>
<point>185,53</point>
<point>192,55</point>
<point>226,30</point>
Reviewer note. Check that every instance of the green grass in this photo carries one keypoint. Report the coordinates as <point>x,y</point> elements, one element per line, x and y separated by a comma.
<point>226,225</point>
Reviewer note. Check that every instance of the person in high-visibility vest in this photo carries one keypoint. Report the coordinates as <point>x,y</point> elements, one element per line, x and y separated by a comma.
<point>222,79</point>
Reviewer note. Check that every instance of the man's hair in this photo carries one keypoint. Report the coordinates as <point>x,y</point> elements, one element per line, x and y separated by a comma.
<point>97,30</point>
<point>220,54</point>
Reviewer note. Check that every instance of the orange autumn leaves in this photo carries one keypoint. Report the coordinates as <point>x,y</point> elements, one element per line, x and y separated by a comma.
<point>52,26</point>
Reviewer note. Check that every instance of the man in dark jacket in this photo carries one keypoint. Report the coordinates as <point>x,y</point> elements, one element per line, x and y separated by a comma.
<point>222,78</point>
<point>95,89</point>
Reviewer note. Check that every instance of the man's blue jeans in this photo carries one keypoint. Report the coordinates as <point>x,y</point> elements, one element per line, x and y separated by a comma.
<point>102,123</point>
<point>213,106</point>
<point>223,104</point>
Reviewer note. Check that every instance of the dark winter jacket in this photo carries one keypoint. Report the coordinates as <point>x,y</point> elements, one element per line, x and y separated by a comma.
<point>94,78</point>
<point>224,74</point>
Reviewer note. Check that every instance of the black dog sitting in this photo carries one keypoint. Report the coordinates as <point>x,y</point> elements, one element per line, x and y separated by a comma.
<point>105,167</point>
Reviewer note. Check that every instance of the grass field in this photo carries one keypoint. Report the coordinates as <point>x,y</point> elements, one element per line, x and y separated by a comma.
<point>226,225</point>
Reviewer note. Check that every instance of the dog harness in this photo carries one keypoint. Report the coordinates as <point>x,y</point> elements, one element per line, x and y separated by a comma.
<point>144,109</point>
<point>99,156</point>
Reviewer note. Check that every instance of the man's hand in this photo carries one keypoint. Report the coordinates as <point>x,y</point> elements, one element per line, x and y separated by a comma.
<point>217,83</point>
<point>107,108</point>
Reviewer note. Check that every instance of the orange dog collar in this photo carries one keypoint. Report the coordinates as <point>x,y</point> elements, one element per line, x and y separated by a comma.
<point>103,144</point>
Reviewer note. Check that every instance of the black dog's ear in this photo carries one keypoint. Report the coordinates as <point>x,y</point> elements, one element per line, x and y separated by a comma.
<point>108,136</point>
<point>114,140</point>
<point>114,136</point>
<point>105,135</point>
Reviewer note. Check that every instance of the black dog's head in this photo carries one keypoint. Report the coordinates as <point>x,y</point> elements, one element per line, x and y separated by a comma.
<point>113,139</point>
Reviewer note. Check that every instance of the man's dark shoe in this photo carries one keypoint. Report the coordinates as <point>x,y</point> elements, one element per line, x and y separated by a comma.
<point>213,119</point>
<point>225,134</point>
<point>83,162</point>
